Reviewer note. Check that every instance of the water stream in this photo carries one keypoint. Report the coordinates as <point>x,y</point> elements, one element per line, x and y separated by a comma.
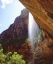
<point>33,29</point>
<point>33,32</point>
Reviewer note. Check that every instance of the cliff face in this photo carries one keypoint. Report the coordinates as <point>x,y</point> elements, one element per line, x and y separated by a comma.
<point>42,10</point>
<point>19,29</point>
<point>13,39</point>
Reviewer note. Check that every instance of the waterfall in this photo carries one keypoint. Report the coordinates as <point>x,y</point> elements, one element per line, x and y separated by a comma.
<point>33,29</point>
<point>34,35</point>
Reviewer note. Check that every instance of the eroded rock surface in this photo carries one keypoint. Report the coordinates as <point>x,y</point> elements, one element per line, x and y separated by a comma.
<point>42,10</point>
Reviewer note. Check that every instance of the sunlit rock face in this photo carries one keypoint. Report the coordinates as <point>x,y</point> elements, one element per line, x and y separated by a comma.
<point>33,29</point>
<point>42,10</point>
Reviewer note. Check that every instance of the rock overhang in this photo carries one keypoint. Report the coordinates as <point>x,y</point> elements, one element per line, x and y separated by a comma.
<point>42,10</point>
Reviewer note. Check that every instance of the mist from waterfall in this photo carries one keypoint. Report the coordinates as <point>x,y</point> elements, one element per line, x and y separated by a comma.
<point>33,29</point>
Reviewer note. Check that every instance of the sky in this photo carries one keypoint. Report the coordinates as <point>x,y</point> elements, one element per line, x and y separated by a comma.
<point>9,10</point>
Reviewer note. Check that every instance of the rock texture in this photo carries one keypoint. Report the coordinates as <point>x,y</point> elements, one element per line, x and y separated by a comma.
<point>13,39</point>
<point>42,10</point>
<point>18,28</point>
<point>17,32</point>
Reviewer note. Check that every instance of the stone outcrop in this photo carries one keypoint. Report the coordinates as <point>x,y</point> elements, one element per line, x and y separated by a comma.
<point>42,10</point>
<point>24,13</point>
<point>16,31</point>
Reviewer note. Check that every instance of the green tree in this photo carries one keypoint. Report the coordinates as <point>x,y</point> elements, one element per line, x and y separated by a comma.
<point>2,56</point>
<point>10,58</point>
<point>17,59</point>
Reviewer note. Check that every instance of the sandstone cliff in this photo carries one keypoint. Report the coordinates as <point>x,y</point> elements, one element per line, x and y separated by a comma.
<point>42,10</point>
<point>17,32</point>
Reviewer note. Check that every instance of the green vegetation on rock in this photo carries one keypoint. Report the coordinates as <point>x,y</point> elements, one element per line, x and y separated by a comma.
<point>10,58</point>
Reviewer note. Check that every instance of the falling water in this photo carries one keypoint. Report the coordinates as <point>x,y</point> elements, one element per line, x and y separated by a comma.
<point>33,29</point>
<point>33,32</point>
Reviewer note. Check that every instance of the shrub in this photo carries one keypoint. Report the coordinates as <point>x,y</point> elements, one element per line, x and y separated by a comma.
<point>17,59</point>
<point>10,58</point>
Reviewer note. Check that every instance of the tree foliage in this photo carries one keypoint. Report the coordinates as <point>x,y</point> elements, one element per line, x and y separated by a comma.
<point>10,58</point>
